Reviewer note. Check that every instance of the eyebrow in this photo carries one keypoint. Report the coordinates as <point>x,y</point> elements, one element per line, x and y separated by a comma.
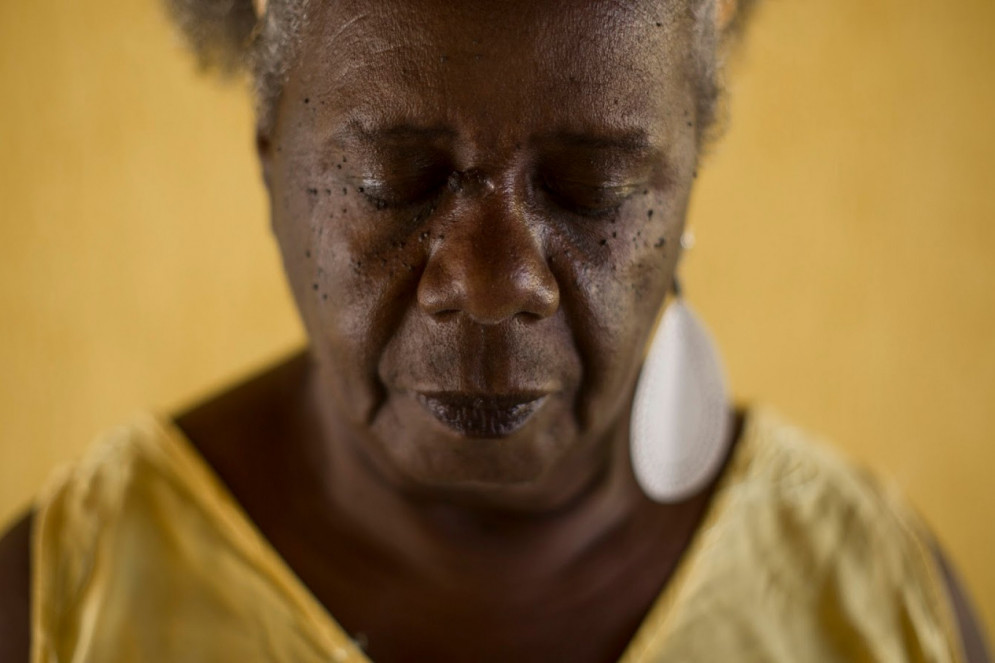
<point>636,141</point>
<point>629,141</point>
<point>402,132</point>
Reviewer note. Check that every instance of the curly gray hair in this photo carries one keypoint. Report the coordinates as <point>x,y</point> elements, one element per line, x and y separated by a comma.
<point>228,36</point>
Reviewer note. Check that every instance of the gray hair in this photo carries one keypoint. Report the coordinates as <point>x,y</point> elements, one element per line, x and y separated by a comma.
<point>226,36</point>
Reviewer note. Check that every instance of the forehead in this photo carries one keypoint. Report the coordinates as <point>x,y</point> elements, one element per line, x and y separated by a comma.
<point>497,66</point>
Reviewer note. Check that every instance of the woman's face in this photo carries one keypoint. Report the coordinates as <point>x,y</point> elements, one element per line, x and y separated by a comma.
<point>479,207</point>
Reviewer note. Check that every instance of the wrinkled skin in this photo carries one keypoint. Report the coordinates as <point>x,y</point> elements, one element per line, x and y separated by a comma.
<point>486,199</point>
<point>482,198</point>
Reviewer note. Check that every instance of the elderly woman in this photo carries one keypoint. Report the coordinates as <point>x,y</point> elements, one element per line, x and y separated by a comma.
<point>509,439</point>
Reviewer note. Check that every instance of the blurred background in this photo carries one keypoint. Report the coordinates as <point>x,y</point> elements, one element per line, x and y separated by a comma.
<point>845,227</point>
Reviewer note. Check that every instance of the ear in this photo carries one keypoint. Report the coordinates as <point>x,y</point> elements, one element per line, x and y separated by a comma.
<point>264,150</point>
<point>725,14</point>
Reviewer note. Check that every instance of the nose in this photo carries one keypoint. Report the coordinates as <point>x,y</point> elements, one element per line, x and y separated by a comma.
<point>489,266</point>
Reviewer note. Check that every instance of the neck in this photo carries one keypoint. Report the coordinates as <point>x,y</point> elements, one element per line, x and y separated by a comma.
<point>447,536</point>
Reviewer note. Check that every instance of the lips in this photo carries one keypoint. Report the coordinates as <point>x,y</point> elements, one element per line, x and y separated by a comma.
<point>482,415</point>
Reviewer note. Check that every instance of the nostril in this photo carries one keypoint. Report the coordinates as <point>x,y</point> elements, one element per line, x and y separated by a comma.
<point>543,294</point>
<point>445,315</point>
<point>486,290</point>
<point>491,267</point>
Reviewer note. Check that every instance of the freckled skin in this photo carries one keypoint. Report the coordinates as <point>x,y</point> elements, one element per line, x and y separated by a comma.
<point>501,281</point>
<point>476,196</point>
<point>481,198</point>
<point>484,198</point>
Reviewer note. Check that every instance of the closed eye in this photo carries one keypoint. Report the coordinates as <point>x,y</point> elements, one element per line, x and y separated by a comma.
<point>401,188</point>
<point>586,198</point>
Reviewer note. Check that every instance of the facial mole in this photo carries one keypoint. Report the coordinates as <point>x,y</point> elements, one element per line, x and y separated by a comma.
<point>649,214</point>
<point>659,243</point>
<point>313,192</point>
<point>314,286</point>
<point>345,191</point>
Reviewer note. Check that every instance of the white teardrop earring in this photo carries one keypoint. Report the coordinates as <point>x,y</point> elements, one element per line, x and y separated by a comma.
<point>681,421</point>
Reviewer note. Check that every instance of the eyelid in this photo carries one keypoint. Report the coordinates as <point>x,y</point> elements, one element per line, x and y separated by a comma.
<point>398,192</point>
<point>628,187</point>
<point>610,197</point>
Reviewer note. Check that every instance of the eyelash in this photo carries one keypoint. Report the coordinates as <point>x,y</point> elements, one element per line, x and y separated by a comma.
<point>430,196</point>
<point>378,203</point>
<point>422,208</point>
<point>583,211</point>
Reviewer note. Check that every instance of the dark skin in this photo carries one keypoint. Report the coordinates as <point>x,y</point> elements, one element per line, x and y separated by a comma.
<point>448,238</point>
<point>475,202</point>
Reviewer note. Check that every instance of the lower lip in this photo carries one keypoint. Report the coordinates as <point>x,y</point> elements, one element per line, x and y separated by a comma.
<point>482,416</point>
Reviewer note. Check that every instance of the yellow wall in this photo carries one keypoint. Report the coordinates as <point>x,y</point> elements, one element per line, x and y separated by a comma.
<point>845,235</point>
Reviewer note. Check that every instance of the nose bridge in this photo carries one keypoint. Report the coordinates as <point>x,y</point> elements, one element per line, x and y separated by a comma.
<point>490,264</point>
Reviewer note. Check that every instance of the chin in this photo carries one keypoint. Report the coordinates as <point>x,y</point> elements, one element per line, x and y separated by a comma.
<point>473,455</point>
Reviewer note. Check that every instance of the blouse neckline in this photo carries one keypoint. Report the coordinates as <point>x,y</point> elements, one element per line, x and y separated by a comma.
<point>209,490</point>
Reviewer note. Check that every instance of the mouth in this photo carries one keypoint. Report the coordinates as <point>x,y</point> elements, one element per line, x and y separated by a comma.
<point>482,415</point>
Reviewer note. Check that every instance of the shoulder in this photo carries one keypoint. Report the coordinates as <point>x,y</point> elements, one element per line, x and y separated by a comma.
<point>51,543</point>
<point>834,536</point>
<point>849,519</point>
<point>15,590</point>
<point>804,477</point>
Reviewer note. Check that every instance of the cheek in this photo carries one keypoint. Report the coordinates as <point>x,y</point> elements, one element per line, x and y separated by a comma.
<point>619,272</point>
<point>351,274</point>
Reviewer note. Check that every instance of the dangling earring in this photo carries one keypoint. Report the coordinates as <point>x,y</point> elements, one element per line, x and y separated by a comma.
<point>681,420</point>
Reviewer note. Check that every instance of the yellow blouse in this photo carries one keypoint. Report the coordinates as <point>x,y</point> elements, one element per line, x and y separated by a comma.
<point>140,554</point>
